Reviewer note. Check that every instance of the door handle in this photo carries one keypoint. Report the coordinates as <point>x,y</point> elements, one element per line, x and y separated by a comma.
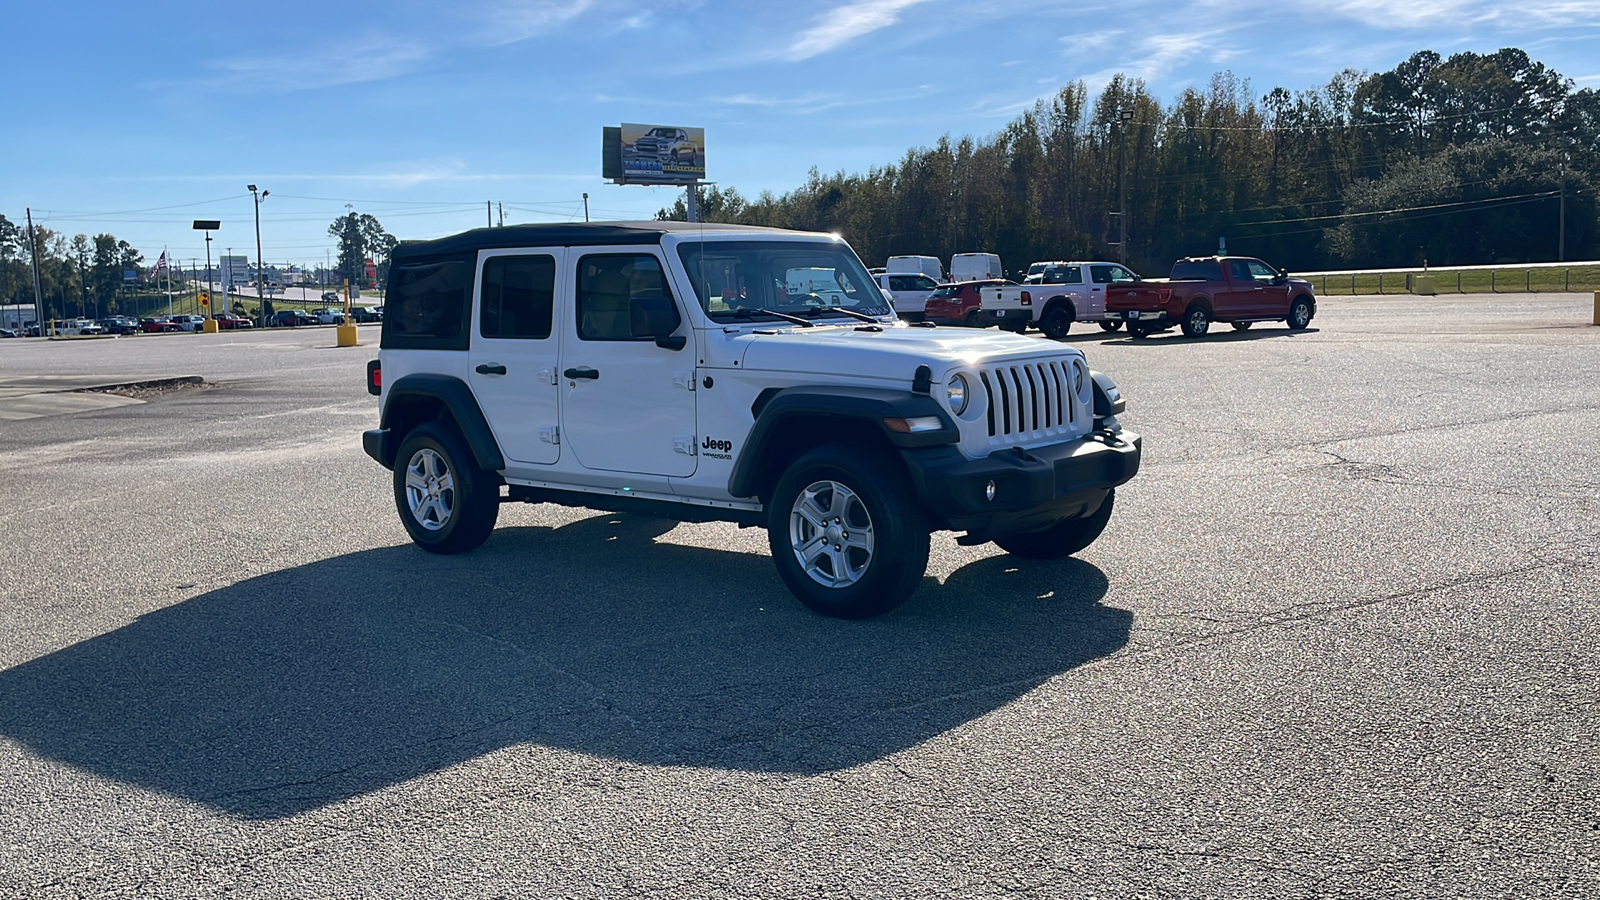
<point>491,369</point>
<point>582,372</point>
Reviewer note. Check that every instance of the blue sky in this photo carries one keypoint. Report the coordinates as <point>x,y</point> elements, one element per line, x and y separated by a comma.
<point>135,119</point>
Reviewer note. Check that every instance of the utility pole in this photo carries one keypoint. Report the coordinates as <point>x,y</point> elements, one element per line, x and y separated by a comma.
<point>488,212</point>
<point>38,292</point>
<point>261,275</point>
<point>1126,116</point>
<point>1561,229</point>
<point>586,206</point>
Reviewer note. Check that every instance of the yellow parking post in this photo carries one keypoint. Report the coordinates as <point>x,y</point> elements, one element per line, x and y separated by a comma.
<point>210,325</point>
<point>345,335</point>
<point>1597,307</point>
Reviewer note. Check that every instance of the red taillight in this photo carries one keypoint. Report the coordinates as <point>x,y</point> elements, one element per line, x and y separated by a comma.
<point>374,378</point>
<point>1166,294</point>
<point>1027,299</point>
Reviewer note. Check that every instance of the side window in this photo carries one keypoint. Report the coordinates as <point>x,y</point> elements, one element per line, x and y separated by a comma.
<point>607,285</point>
<point>897,283</point>
<point>517,297</point>
<point>1261,272</point>
<point>426,306</point>
<point>1100,274</point>
<point>1238,270</point>
<point>923,283</point>
<point>1118,273</point>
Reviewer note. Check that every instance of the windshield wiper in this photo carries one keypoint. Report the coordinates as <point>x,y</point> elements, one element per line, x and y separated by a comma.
<point>844,312</point>
<point>745,312</point>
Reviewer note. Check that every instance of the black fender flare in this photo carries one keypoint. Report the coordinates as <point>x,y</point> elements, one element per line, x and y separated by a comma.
<point>774,406</point>
<point>463,407</point>
<point>1059,299</point>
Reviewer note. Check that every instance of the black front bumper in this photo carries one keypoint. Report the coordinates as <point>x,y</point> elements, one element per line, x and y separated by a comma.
<point>1033,488</point>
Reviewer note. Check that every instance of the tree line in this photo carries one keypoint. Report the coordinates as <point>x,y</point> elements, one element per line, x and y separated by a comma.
<point>83,276</point>
<point>1453,161</point>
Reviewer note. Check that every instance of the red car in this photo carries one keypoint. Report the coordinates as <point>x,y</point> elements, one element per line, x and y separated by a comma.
<point>230,321</point>
<point>958,303</point>
<point>157,324</point>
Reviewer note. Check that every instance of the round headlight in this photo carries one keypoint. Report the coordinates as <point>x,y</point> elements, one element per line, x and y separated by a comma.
<point>955,391</point>
<point>1077,378</point>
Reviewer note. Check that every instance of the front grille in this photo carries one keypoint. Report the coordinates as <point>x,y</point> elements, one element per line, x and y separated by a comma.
<point>1029,399</point>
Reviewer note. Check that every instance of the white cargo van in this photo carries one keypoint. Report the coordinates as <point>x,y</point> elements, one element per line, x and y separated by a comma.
<point>925,265</point>
<point>975,267</point>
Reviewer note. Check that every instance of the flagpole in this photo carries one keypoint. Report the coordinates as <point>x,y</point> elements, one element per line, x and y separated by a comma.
<point>168,270</point>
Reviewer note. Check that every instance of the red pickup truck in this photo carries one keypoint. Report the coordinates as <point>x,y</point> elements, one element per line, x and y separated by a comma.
<point>1239,290</point>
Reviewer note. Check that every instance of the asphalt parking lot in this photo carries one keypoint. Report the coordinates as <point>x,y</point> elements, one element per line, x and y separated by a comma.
<point>1339,640</point>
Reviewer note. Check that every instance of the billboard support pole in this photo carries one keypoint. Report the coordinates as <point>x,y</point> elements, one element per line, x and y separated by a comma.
<point>691,201</point>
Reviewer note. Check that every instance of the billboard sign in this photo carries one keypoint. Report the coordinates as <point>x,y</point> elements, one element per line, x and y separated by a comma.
<point>656,154</point>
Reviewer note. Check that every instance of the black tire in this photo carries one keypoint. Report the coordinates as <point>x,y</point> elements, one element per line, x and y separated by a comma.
<point>867,491</point>
<point>1138,332</point>
<point>971,320</point>
<point>446,502</point>
<point>1241,326</point>
<point>1057,322</point>
<point>1062,539</point>
<point>1110,324</point>
<point>1196,321</point>
<point>1299,314</point>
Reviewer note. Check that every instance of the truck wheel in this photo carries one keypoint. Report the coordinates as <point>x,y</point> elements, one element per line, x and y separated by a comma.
<point>1241,326</point>
<point>1196,321</point>
<point>1057,322</point>
<point>1110,324</point>
<point>1299,314</point>
<point>1063,538</point>
<point>846,532</point>
<point>1138,332</point>
<point>971,320</point>
<point>446,502</point>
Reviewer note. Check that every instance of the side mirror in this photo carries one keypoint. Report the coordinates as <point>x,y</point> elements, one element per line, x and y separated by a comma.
<point>657,317</point>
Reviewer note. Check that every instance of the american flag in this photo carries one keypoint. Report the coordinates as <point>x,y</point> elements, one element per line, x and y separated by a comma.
<point>162,262</point>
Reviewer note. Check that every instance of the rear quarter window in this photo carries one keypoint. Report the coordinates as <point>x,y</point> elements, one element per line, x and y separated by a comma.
<point>1198,270</point>
<point>426,305</point>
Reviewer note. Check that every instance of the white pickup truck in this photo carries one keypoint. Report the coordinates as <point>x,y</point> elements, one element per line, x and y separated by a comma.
<point>1067,292</point>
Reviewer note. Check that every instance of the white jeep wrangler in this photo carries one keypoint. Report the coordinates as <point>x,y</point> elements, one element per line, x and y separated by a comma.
<point>682,370</point>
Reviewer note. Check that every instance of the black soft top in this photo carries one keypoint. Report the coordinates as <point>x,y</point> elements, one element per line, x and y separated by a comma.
<point>562,234</point>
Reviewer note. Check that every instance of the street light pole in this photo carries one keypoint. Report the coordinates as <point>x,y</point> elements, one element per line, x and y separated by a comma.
<point>261,289</point>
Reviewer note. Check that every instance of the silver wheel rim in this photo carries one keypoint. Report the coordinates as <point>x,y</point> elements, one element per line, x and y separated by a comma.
<point>1197,321</point>
<point>1301,316</point>
<point>831,534</point>
<point>430,490</point>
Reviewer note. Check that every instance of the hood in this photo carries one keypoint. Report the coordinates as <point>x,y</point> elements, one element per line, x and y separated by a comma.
<point>893,353</point>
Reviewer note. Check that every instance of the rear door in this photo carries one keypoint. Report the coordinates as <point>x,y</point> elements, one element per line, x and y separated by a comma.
<point>512,363</point>
<point>1240,296</point>
<point>1101,276</point>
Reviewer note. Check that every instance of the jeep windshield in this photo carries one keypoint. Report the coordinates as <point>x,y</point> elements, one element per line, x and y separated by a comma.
<point>739,280</point>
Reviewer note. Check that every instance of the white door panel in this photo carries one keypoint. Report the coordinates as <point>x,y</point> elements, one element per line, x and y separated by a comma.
<point>512,364</point>
<point>626,405</point>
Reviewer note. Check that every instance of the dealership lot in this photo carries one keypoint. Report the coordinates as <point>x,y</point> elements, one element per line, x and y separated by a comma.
<point>1338,640</point>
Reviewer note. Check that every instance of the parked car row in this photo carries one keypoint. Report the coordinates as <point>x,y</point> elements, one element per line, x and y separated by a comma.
<point>1057,294</point>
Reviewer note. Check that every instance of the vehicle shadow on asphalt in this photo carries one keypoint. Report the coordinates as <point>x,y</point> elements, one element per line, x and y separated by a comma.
<point>1213,337</point>
<point>311,685</point>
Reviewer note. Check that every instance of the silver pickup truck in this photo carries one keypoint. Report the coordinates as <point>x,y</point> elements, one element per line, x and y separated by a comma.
<point>1065,293</point>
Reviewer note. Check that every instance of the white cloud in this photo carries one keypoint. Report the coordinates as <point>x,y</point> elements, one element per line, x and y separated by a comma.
<point>842,24</point>
<point>375,57</point>
<point>509,21</point>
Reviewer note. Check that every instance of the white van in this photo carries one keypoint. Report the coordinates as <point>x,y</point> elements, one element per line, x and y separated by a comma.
<point>909,291</point>
<point>975,267</point>
<point>925,265</point>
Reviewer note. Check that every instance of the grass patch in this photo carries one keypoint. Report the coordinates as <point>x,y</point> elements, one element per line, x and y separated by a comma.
<point>1581,278</point>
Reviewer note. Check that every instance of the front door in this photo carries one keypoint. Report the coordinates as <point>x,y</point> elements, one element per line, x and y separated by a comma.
<point>1272,298</point>
<point>627,405</point>
<point>512,364</point>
